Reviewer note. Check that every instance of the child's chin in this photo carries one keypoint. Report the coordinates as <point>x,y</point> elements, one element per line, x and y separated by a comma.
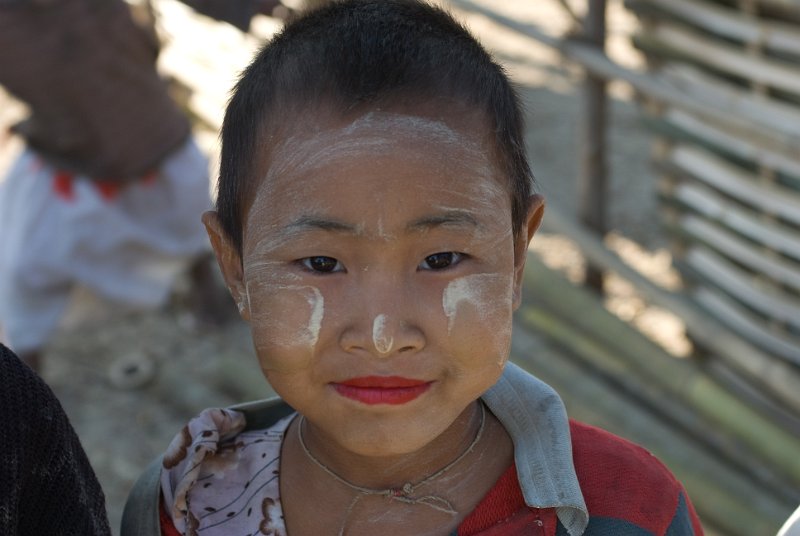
<point>392,443</point>
<point>389,448</point>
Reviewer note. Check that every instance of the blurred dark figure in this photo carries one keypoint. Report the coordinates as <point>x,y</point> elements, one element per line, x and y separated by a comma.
<point>237,12</point>
<point>46,483</point>
<point>109,191</point>
<point>240,12</point>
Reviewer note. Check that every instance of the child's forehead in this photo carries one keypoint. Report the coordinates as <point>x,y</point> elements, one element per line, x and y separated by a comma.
<point>316,140</point>
<point>321,164</point>
<point>441,126</point>
<point>392,124</point>
<point>377,133</point>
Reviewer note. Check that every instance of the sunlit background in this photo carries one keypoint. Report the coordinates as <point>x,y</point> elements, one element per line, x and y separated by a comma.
<point>622,360</point>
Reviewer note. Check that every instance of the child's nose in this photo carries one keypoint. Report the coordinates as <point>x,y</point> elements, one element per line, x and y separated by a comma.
<point>383,335</point>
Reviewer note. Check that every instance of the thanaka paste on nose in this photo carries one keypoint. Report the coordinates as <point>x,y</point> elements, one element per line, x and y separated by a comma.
<point>383,343</point>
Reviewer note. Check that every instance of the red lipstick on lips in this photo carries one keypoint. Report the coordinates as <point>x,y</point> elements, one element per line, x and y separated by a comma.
<point>382,389</point>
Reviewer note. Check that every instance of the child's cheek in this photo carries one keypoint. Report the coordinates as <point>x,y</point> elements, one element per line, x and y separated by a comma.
<point>478,309</point>
<point>285,321</point>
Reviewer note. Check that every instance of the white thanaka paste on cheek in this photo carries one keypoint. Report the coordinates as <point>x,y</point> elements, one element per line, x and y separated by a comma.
<point>259,271</point>
<point>292,336</point>
<point>317,304</point>
<point>383,343</point>
<point>490,295</point>
<point>475,290</point>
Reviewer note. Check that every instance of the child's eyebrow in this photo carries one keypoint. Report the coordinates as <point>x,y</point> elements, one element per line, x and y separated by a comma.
<point>455,218</point>
<point>310,223</point>
<point>450,218</point>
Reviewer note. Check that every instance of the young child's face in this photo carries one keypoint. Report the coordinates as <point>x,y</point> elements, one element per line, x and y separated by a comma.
<point>379,275</point>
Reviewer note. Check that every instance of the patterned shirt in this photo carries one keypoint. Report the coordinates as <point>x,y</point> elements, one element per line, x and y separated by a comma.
<point>221,479</point>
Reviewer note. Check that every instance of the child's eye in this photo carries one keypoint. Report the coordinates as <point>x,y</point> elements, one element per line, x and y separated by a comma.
<point>322,264</point>
<point>440,261</point>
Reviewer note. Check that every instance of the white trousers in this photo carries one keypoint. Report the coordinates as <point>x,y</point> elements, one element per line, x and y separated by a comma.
<point>127,247</point>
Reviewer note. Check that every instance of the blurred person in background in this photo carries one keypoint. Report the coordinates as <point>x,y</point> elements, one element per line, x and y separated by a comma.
<point>109,190</point>
<point>46,483</point>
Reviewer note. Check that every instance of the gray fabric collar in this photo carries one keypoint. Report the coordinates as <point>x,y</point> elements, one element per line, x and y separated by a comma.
<point>536,419</point>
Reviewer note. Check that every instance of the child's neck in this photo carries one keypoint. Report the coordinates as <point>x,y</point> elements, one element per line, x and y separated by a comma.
<point>436,506</point>
<point>386,472</point>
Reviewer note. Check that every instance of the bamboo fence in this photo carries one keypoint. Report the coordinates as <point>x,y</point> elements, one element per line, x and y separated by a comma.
<point>731,202</point>
<point>722,94</point>
<point>713,441</point>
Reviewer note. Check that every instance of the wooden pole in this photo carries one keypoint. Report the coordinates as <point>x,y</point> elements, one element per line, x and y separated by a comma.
<point>592,182</point>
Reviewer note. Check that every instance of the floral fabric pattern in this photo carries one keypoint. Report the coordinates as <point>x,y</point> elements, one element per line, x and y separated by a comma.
<point>218,480</point>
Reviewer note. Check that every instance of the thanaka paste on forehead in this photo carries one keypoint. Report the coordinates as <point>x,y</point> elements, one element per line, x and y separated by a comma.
<point>480,227</point>
<point>372,134</point>
<point>381,231</point>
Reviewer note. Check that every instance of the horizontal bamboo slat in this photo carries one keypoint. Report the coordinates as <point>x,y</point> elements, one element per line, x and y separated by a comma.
<point>780,239</point>
<point>775,375</point>
<point>756,328</point>
<point>746,323</point>
<point>741,104</point>
<point>726,58</point>
<point>726,138</point>
<point>754,259</point>
<point>729,23</point>
<point>793,4</point>
<point>762,298</point>
<point>735,183</point>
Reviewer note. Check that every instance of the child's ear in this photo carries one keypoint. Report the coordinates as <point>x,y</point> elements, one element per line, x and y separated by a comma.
<point>229,260</point>
<point>523,240</point>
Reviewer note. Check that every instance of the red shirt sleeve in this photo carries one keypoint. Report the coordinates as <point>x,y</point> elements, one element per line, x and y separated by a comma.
<point>167,527</point>
<point>623,481</point>
<point>503,512</point>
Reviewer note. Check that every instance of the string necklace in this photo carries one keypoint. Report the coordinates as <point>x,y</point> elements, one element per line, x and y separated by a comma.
<point>405,493</point>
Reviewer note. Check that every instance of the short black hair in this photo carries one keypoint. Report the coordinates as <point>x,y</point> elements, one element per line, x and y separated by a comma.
<point>356,54</point>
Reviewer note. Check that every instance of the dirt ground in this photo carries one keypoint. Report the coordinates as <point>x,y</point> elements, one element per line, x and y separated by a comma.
<point>123,428</point>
